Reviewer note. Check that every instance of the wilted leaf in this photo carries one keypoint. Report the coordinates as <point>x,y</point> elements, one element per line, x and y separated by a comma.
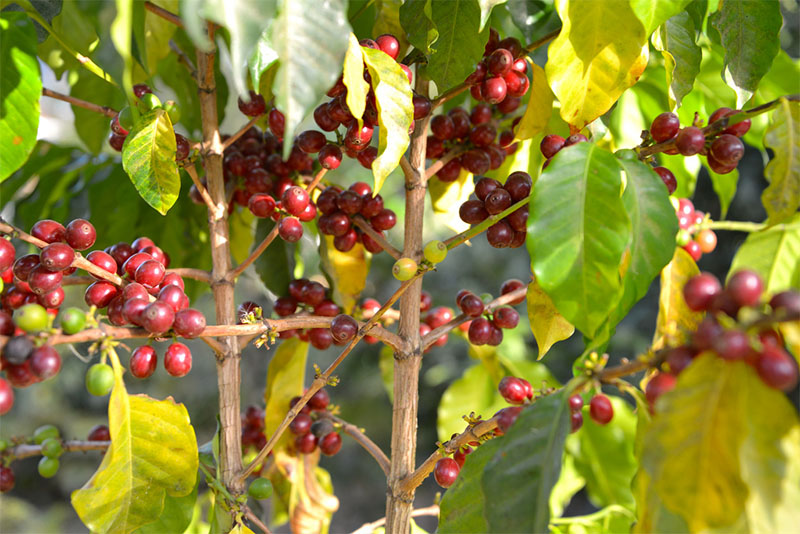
<point>548,326</point>
<point>675,320</point>
<point>782,197</point>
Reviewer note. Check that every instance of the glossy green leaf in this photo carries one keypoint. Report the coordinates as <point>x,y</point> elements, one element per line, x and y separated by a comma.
<point>262,58</point>
<point>611,519</point>
<point>486,10</point>
<point>721,444</point>
<point>604,456</point>
<point>569,483</point>
<point>21,87</point>
<point>782,197</point>
<point>447,197</point>
<point>539,108</point>
<point>517,481</point>
<point>676,39</point>
<point>416,19</point>
<point>153,454</point>
<point>460,46</point>
<point>773,253</point>
<point>311,39</point>
<point>577,232</point>
<point>347,272</point>
<point>675,320</point>
<point>273,265</point>
<point>475,391</point>
<point>653,13</point>
<point>724,186</point>
<point>749,32</point>
<point>73,26</point>
<point>548,326</point>
<point>395,112</point>
<point>599,53</point>
<point>353,78</point>
<point>285,379</point>
<point>654,227</point>
<point>176,517</point>
<point>158,32</point>
<point>93,127</point>
<point>148,156</point>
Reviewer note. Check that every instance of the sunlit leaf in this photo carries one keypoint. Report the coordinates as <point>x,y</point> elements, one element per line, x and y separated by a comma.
<point>73,25</point>
<point>782,197</point>
<point>447,197</point>
<point>459,46</point>
<point>675,319</point>
<point>569,483</point>
<point>774,254</point>
<point>242,230</point>
<point>353,78</point>
<point>347,272</point>
<point>158,32</point>
<point>285,379</point>
<point>540,104</point>
<point>548,326</point>
<point>676,39</point>
<point>610,519</point>
<point>653,13</point>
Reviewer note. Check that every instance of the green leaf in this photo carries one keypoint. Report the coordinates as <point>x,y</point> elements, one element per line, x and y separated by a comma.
<point>653,13</point>
<point>598,54</point>
<point>285,379</point>
<point>242,233</point>
<point>578,231</point>
<point>353,78</point>
<point>460,45</point>
<point>534,18</point>
<point>676,39</point>
<point>725,187</point>
<point>548,326</point>
<point>176,517</point>
<point>263,57</point>
<point>611,519</point>
<point>486,10</point>
<point>347,272</point>
<point>157,33</point>
<point>311,39</point>
<point>386,365</point>
<point>21,88</point>
<point>569,483</point>
<point>782,197</point>
<point>517,481</point>
<point>73,27</point>
<point>604,456</point>
<point>416,20</point>
<point>720,444</point>
<point>773,253</point>
<point>749,32</point>
<point>121,36</point>
<point>447,197</point>
<point>153,454</point>
<point>273,265</point>
<point>395,112</point>
<point>675,320</point>
<point>654,227</point>
<point>148,156</point>
<point>92,127</point>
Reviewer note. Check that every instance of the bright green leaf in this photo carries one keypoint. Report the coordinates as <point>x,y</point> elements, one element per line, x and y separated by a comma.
<point>285,379</point>
<point>460,46</point>
<point>548,326</point>
<point>611,519</point>
<point>749,32</point>
<point>395,112</point>
<point>675,320</point>
<point>148,156</point>
<point>540,105</point>
<point>416,20</point>
<point>578,231</point>
<point>486,10</point>
<point>676,39</point>
<point>773,253</point>
<point>353,78</point>
<point>153,454</point>
<point>653,13</point>
<point>569,483</point>
<point>447,197</point>
<point>347,272</point>
<point>782,197</point>
<point>92,127</point>
<point>21,87</point>
<point>73,26</point>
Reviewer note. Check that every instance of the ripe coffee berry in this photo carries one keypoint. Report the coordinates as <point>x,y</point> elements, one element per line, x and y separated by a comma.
<point>480,331</point>
<point>102,260</point>
<point>143,361</point>
<point>600,409</point>
<point>157,317</point>
<point>665,127</point>
<point>659,384</point>
<point>727,149</point>
<point>343,328</point>
<point>42,281</point>
<point>513,285</point>
<point>330,444</point>
<point>301,425</point>
<point>306,443</point>
<point>45,362</point>
<point>6,479</point>
<point>330,157</point>
<point>80,234</point>
<point>150,273</point>
<point>290,229</point>
<point>786,302</point>
<point>446,472</point>
<point>99,433</point>
<point>512,390</point>
<point>506,418</point>
<point>49,231</point>
<point>506,317</point>
<point>100,294</point>
<point>690,141</point>
<point>178,360</point>
<point>668,178</point>
<point>56,256</point>
<point>189,323</point>
<point>6,400</point>
<point>7,253</point>
<point>471,305</point>
<point>294,200</point>
<point>575,421</point>
<point>253,106</point>
<point>745,287</point>
<point>700,291</point>
<point>575,402</point>
<point>776,368</point>
<point>319,400</point>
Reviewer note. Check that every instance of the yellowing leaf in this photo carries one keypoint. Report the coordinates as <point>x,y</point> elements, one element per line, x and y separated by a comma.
<point>791,335</point>
<point>447,197</point>
<point>600,51</point>
<point>395,111</point>
<point>782,197</point>
<point>285,379</point>
<point>153,454</point>
<point>353,78</point>
<point>675,319</point>
<point>540,105</point>
<point>548,326</point>
<point>347,272</point>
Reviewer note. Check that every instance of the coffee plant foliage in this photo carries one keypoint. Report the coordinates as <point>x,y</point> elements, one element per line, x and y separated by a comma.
<point>568,132</point>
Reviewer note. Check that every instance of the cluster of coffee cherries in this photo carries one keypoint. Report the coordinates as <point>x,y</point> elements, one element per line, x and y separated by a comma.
<point>123,122</point>
<point>501,74</point>
<point>552,144</point>
<point>722,152</point>
<point>312,429</point>
<point>485,329</point>
<point>337,208</point>
<point>493,198</point>
<point>692,237</point>
<point>721,333</point>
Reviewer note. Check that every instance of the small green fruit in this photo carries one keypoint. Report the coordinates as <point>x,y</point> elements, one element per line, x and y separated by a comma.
<point>435,252</point>
<point>683,237</point>
<point>260,488</point>
<point>31,318</point>
<point>52,448</point>
<point>4,444</point>
<point>172,109</point>
<point>44,432</point>
<point>404,269</point>
<point>125,118</point>
<point>148,102</point>
<point>73,320</point>
<point>48,467</point>
<point>99,379</point>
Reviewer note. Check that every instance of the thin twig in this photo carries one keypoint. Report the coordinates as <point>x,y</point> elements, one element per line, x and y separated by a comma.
<point>25,450</point>
<point>362,439</point>
<point>405,165</point>
<point>164,14</point>
<point>183,59</point>
<point>437,165</point>
<point>369,528</point>
<point>317,178</point>
<point>103,110</point>
<point>243,130</point>
<point>254,518</point>
<point>193,274</point>
<point>542,41</point>
<point>466,235</point>
<point>192,172</point>
<point>376,236</point>
<point>234,274</point>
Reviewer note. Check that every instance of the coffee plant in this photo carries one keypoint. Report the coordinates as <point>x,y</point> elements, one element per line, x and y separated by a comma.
<point>256,156</point>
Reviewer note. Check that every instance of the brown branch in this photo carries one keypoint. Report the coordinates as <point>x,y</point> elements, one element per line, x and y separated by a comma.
<point>431,337</point>
<point>103,110</point>
<point>164,14</point>
<point>255,520</point>
<point>183,59</point>
<point>193,274</point>
<point>362,439</point>
<point>26,450</point>
<point>542,41</point>
<point>234,274</point>
<point>315,182</point>
<point>369,528</point>
<point>322,380</point>
<point>192,172</point>
<point>376,236</point>
<point>437,165</point>
<point>243,130</point>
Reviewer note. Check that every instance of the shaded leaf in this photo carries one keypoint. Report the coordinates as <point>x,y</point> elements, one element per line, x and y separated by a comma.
<point>749,33</point>
<point>486,10</point>
<point>92,127</point>
<point>353,78</point>
<point>774,254</point>
<point>148,156</point>
<point>600,52</point>
<point>158,32</point>
<point>548,326</point>
<point>395,112</point>
<point>578,231</point>
<point>386,365</point>
<point>675,319</point>
<point>21,87</point>
<point>569,483</point>
<point>724,186</point>
<point>653,13</point>
<point>676,39</point>
<point>176,517</point>
<point>73,27</point>
<point>262,58</point>
<point>782,197</point>
<point>242,230</point>
<point>540,105</point>
<point>273,265</point>
<point>534,18</point>
<point>285,379</point>
<point>416,20</point>
<point>459,46</point>
<point>347,272</point>
<point>447,197</point>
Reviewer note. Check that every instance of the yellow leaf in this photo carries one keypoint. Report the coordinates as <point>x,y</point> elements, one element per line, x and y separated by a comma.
<point>600,51</point>
<point>285,379</point>
<point>675,319</point>
<point>447,197</point>
<point>548,326</point>
<point>353,78</point>
<point>153,454</point>
<point>528,158</point>
<point>347,272</point>
<point>791,335</point>
<point>540,105</point>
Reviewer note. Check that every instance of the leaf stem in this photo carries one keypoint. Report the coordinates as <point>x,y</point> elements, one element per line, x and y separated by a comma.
<point>234,274</point>
<point>103,110</point>
<point>737,226</point>
<point>542,40</point>
<point>459,239</point>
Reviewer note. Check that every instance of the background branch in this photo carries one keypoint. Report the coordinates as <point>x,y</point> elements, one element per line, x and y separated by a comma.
<point>26,450</point>
<point>103,110</point>
<point>376,236</point>
<point>362,439</point>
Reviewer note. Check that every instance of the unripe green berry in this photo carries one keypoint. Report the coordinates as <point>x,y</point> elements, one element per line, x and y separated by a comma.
<point>31,318</point>
<point>44,432</point>
<point>148,102</point>
<point>260,488</point>
<point>48,467</point>
<point>52,448</point>
<point>99,379</point>
<point>125,118</point>
<point>172,109</point>
<point>4,444</point>
<point>435,251</point>
<point>683,237</point>
<point>404,269</point>
<point>72,320</point>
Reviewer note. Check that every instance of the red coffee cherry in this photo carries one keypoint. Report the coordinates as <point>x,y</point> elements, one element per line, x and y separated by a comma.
<point>445,472</point>
<point>143,361</point>
<point>600,409</point>
<point>178,360</point>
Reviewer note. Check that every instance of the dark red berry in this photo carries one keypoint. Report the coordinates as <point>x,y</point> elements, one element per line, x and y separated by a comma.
<point>506,317</point>
<point>679,359</point>
<point>343,328</point>
<point>253,106</point>
<point>600,409</point>
<point>300,425</point>
<point>330,156</point>
<point>100,294</point>
<point>665,127</point>
<point>6,474</point>
<point>56,256</point>
<point>668,178</point>
<point>480,331</point>
<point>499,61</point>
<point>80,234</point>
<point>45,362</point>
<point>659,384</point>
<point>513,285</point>
<point>42,281</point>
<point>575,402</point>
<point>178,360</point>
<point>143,361</point>
<point>306,443</point>
<point>102,260</point>
<point>99,433</point>
<point>276,122</point>
<point>445,472</point>
<point>49,231</point>
<point>506,418</point>
<point>500,234</point>
<point>319,400</point>
<point>442,127</point>
<point>473,212</point>
<point>700,291</point>
<point>471,305</point>
<point>150,273</point>
<point>745,287</point>
<point>330,444</point>
<point>389,44</point>
<point>157,317</point>
<point>575,421</point>
<point>690,141</point>
<point>518,184</point>
<point>494,90</point>
<point>777,369</point>
<point>512,390</point>
<point>786,302</point>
